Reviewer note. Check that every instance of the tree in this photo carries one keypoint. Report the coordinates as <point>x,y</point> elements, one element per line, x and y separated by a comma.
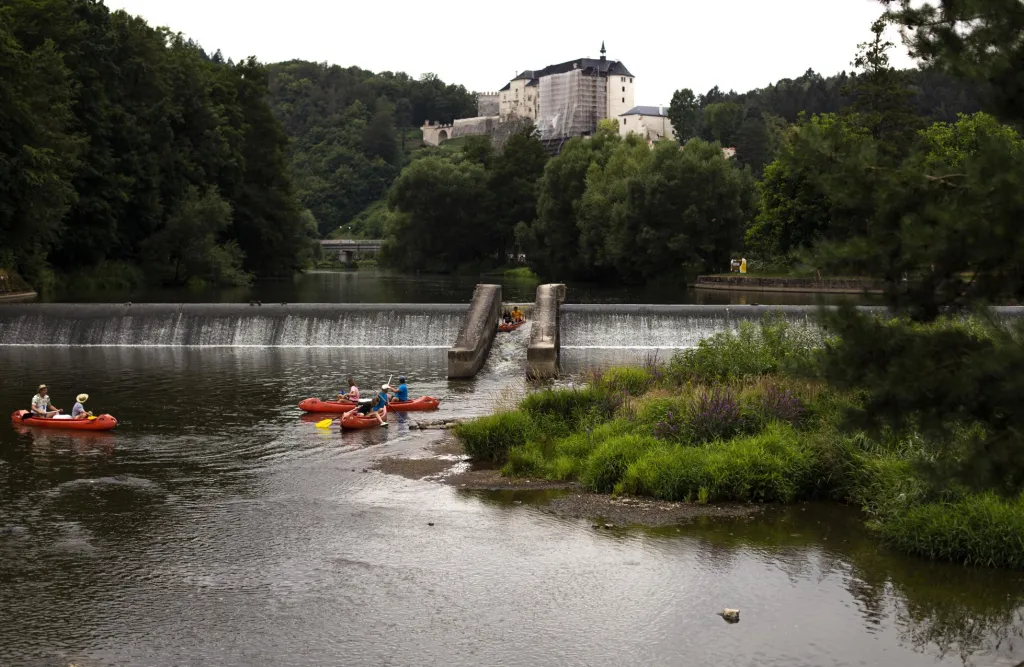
<point>379,140</point>
<point>664,213</point>
<point>720,122</point>
<point>940,223</point>
<point>551,241</point>
<point>36,153</point>
<point>266,221</point>
<point>977,40</point>
<point>186,249</point>
<point>684,112</point>
<point>691,207</point>
<point>513,185</point>
<point>795,210</point>
<point>439,220</point>
<point>882,99</point>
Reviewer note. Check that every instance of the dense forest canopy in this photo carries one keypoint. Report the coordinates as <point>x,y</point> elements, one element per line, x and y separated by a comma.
<point>350,131</point>
<point>115,133</point>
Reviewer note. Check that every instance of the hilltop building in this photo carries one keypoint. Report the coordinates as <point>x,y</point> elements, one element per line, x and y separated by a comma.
<point>568,99</point>
<point>563,101</point>
<point>651,123</point>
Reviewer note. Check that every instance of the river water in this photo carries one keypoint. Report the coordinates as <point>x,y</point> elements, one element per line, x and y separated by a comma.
<point>216,526</point>
<point>381,286</point>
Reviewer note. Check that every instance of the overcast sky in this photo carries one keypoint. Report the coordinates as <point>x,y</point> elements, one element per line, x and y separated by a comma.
<point>738,44</point>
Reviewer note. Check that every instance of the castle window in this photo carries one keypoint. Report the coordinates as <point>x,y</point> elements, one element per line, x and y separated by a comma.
<point>623,89</point>
<point>631,79</point>
<point>623,100</point>
<point>623,121</point>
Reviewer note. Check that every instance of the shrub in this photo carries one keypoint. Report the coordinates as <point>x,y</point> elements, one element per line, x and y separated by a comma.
<point>491,438</point>
<point>714,415</point>
<point>981,529</point>
<point>775,403</point>
<point>606,465</point>
<point>633,381</point>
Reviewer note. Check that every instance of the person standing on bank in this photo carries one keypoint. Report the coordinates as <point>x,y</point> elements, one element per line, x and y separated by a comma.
<point>41,405</point>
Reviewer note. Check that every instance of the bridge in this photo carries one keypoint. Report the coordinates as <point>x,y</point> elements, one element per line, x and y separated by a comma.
<point>348,250</point>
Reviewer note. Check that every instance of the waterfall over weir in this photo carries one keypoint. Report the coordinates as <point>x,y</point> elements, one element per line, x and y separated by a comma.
<point>232,325</point>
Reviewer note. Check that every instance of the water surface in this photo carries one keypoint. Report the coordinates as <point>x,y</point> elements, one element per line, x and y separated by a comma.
<point>215,526</point>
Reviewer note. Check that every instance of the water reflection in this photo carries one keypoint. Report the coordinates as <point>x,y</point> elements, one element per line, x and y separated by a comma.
<point>381,286</point>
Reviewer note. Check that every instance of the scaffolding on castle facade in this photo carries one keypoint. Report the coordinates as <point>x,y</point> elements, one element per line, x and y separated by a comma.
<point>571,104</point>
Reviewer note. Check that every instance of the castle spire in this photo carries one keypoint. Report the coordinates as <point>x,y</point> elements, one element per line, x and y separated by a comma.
<point>602,49</point>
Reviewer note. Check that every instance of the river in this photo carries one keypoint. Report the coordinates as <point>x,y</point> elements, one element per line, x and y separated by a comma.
<point>382,286</point>
<point>216,526</point>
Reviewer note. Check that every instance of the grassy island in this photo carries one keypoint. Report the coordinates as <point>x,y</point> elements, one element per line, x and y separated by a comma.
<point>746,417</point>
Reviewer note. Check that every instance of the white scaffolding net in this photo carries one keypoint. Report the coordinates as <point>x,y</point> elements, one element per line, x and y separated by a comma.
<point>571,104</point>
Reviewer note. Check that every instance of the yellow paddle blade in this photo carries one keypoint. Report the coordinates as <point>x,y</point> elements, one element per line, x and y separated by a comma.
<point>324,423</point>
<point>91,418</point>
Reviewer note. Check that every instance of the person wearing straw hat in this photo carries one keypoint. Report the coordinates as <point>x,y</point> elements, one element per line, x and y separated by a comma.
<point>41,405</point>
<point>78,412</point>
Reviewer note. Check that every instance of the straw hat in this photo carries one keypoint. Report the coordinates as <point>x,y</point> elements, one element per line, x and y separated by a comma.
<point>385,387</point>
<point>42,387</point>
<point>82,398</point>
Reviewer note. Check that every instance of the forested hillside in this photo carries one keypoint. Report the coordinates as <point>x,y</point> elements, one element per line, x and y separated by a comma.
<point>751,121</point>
<point>351,130</point>
<point>124,145</point>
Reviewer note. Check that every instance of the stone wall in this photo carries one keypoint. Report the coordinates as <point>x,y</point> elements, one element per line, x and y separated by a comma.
<point>479,327</point>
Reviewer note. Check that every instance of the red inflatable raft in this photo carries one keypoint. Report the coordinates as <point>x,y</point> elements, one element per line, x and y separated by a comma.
<point>101,423</point>
<point>511,326</point>
<point>416,404</point>
<point>361,421</point>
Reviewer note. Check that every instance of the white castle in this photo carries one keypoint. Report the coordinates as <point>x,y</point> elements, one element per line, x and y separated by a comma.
<point>563,101</point>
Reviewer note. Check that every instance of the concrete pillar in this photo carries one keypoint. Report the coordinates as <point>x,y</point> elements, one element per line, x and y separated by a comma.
<point>477,333</point>
<point>542,354</point>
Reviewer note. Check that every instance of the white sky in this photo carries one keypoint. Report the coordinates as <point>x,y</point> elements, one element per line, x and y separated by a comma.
<point>666,44</point>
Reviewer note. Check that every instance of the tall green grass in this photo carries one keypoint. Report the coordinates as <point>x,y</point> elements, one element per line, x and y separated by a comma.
<point>490,438</point>
<point>769,467</point>
<point>978,529</point>
<point>767,348</point>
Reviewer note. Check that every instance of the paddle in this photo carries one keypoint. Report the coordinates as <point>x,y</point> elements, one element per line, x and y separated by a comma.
<point>326,423</point>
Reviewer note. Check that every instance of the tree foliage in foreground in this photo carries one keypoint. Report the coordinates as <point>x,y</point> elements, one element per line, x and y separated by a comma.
<point>943,225</point>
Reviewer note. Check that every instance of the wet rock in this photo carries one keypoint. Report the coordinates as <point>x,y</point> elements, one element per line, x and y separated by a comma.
<point>365,470</point>
<point>517,502</point>
<point>609,526</point>
<point>730,615</point>
<point>430,523</point>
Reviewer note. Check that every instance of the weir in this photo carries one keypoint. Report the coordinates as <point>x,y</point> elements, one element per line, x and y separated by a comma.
<point>232,325</point>
<point>434,326</point>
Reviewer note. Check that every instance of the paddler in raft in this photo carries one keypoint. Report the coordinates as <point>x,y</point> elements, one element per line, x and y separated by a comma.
<point>41,405</point>
<point>79,411</point>
<point>517,315</point>
<point>353,392</point>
